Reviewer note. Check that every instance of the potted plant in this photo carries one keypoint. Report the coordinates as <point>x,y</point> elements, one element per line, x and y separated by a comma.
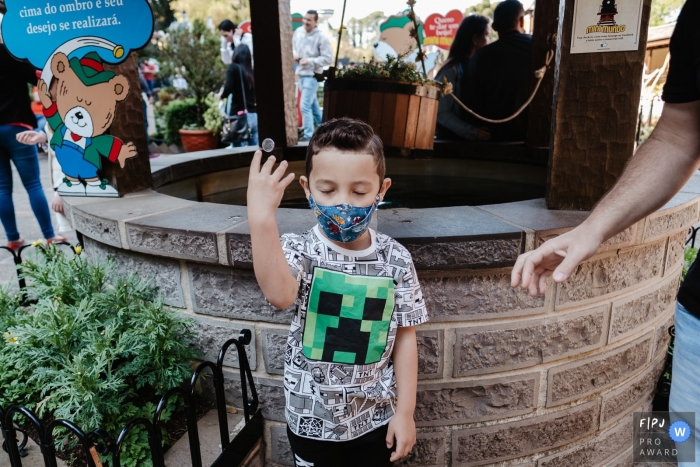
<point>193,53</point>
<point>392,96</point>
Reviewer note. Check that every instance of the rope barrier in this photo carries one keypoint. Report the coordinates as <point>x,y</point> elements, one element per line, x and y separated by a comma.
<point>539,74</point>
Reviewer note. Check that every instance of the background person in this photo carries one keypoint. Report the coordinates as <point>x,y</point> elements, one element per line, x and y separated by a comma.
<point>498,80</point>
<point>15,117</point>
<point>657,171</point>
<point>241,66</point>
<point>231,37</point>
<point>473,34</point>
<point>312,51</point>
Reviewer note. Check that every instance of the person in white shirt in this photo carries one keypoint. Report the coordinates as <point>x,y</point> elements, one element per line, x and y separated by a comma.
<point>231,36</point>
<point>312,52</point>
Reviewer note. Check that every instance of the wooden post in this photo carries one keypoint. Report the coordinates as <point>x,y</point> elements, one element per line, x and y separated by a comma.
<point>544,39</point>
<point>130,127</point>
<point>596,97</point>
<point>271,21</point>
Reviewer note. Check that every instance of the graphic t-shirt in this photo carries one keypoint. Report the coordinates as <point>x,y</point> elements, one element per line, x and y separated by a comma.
<point>338,372</point>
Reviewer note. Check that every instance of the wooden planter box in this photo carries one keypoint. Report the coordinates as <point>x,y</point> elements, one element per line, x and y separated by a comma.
<point>402,114</point>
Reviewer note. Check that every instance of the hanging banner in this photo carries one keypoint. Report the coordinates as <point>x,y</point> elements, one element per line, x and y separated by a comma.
<point>441,30</point>
<point>606,26</point>
<point>71,41</point>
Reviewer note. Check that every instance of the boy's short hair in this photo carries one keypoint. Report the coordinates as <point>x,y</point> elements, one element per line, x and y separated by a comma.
<point>347,134</point>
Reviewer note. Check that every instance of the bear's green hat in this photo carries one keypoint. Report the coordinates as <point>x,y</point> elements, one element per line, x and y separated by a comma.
<point>90,69</point>
<point>400,21</point>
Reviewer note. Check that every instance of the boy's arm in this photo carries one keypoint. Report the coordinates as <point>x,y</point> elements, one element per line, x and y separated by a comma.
<point>402,426</point>
<point>265,191</point>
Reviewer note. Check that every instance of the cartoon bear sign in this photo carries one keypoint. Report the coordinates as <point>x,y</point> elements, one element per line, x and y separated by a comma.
<point>71,42</point>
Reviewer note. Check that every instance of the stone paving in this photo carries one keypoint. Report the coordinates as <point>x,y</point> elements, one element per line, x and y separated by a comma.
<point>27,223</point>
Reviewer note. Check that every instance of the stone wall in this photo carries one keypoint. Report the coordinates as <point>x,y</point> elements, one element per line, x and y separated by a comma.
<point>504,379</point>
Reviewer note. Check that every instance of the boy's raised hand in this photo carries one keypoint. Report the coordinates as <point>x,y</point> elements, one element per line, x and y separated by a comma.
<point>265,187</point>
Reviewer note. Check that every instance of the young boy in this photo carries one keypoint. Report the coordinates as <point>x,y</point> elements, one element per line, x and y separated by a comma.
<point>351,364</point>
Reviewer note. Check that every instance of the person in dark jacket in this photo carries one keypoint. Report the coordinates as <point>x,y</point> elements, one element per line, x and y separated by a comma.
<point>240,84</point>
<point>499,75</point>
<point>472,35</point>
<point>16,117</point>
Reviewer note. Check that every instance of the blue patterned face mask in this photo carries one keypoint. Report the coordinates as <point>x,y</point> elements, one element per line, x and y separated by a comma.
<point>343,222</point>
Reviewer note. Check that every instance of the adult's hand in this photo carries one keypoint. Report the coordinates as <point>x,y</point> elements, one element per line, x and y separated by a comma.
<point>483,134</point>
<point>304,61</point>
<point>556,258</point>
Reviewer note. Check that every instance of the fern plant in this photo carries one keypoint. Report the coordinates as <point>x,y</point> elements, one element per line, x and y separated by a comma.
<point>96,348</point>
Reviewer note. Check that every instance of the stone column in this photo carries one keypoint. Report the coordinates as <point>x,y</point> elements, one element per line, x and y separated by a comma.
<point>544,39</point>
<point>271,21</point>
<point>129,126</point>
<point>596,97</point>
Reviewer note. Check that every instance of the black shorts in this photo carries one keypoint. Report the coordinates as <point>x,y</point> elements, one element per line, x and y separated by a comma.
<point>369,450</point>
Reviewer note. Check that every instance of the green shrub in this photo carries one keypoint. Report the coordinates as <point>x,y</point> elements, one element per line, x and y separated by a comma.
<point>96,348</point>
<point>688,258</point>
<point>213,120</point>
<point>178,114</point>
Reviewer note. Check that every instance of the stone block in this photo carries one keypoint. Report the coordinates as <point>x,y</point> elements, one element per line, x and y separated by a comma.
<point>506,346</point>
<point>430,353</point>
<point>681,216</point>
<point>102,230</point>
<point>474,401</point>
<point>611,273</point>
<point>630,314</point>
<point>662,336</point>
<point>274,346</point>
<point>212,334</point>
<point>580,378</point>
<point>270,394</point>
<point>496,443</point>
<point>231,293</point>
<point>624,460</point>
<point>492,252</point>
<point>675,251</point>
<point>281,451</point>
<point>164,273</point>
<point>429,451</point>
<point>156,241</point>
<point>619,402</point>
<point>478,295</point>
<point>606,445</point>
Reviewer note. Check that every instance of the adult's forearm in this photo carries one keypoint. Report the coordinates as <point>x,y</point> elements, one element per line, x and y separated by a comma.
<point>405,358</point>
<point>654,175</point>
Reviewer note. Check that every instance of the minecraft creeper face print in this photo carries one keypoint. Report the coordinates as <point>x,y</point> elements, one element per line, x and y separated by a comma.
<point>348,317</point>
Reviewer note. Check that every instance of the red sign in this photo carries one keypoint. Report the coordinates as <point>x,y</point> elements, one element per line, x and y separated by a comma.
<point>245,27</point>
<point>441,30</point>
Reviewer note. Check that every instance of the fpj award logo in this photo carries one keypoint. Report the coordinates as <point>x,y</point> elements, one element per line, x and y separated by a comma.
<point>664,437</point>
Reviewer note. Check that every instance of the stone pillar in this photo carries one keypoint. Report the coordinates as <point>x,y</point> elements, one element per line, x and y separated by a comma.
<point>129,126</point>
<point>544,39</point>
<point>596,97</point>
<point>271,21</point>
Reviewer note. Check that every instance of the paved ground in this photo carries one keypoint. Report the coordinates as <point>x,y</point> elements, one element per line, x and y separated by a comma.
<point>27,223</point>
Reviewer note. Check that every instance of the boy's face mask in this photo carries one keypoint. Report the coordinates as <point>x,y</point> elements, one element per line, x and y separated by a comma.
<point>343,222</point>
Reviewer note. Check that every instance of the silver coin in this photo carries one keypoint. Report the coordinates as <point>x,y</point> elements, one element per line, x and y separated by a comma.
<point>268,145</point>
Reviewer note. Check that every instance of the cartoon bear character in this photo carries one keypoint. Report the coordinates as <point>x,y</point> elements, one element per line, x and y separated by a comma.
<point>395,39</point>
<point>81,111</point>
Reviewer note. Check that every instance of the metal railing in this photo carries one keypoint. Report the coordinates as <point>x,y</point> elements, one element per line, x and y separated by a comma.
<point>99,441</point>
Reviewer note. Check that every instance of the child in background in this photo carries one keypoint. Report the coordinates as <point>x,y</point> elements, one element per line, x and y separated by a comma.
<point>351,366</point>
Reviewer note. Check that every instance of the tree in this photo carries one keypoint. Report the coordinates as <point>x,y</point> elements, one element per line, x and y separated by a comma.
<point>163,13</point>
<point>195,54</point>
<point>664,11</point>
<point>217,10</point>
<point>359,37</point>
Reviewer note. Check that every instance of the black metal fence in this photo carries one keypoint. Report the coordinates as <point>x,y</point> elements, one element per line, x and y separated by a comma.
<point>99,441</point>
